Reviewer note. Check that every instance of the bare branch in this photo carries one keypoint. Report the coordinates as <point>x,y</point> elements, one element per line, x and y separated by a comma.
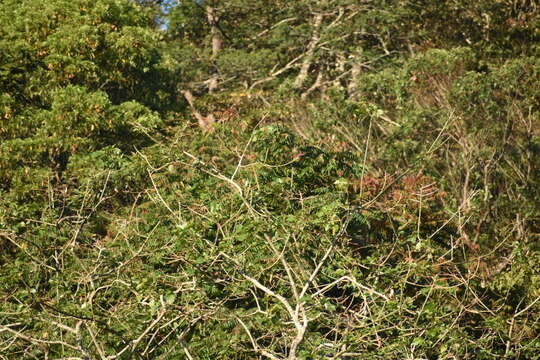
<point>205,122</point>
<point>33,340</point>
<point>354,282</point>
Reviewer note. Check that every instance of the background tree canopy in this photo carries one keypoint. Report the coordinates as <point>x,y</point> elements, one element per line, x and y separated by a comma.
<point>228,179</point>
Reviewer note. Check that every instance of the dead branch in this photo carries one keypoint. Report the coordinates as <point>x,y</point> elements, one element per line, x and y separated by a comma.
<point>205,122</point>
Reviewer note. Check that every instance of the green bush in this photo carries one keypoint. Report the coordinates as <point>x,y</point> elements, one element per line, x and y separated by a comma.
<point>382,211</point>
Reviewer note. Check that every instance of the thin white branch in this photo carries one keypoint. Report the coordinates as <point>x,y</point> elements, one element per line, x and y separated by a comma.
<point>354,282</point>
<point>22,336</point>
<point>528,307</point>
<point>286,266</point>
<point>254,343</point>
<point>96,344</point>
<point>316,271</point>
<point>280,298</point>
<point>274,26</point>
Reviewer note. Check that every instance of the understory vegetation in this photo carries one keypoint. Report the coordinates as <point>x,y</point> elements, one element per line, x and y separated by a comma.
<point>268,179</point>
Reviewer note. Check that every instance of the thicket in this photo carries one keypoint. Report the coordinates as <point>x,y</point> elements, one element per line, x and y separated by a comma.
<point>269,179</point>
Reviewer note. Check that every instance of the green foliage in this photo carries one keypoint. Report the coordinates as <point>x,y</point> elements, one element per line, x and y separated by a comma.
<point>72,77</point>
<point>385,206</point>
<point>502,27</point>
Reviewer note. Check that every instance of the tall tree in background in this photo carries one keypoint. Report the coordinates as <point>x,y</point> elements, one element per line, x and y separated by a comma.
<point>310,45</point>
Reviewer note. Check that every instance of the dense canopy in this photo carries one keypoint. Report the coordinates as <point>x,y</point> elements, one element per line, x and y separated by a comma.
<point>268,179</point>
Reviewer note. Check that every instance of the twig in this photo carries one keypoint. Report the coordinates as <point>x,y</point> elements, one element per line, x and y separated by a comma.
<point>354,282</point>
<point>34,340</point>
<point>254,344</point>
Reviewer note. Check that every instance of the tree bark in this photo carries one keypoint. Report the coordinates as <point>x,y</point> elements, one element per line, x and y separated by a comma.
<point>340,69</point>
<point>216,46</point>
<point>356,67</point>
<point>308,59</point>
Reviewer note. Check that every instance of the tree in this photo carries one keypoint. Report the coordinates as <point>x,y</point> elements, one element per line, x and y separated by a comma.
<point>312,45</point>
<point>77,76</point>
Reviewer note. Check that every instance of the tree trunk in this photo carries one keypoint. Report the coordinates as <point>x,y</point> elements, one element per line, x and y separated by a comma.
<point>308,59</point>
<point>356,67</point>
<point>216,46</point>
